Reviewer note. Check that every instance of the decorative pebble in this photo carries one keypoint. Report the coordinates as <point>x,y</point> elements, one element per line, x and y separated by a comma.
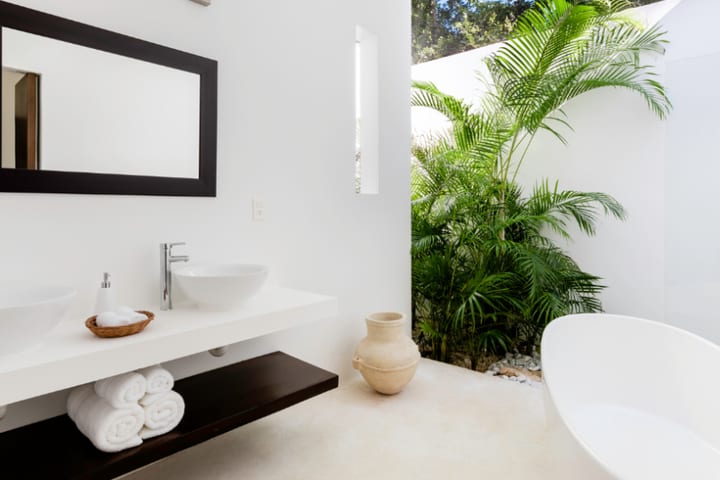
<point>518,361</point>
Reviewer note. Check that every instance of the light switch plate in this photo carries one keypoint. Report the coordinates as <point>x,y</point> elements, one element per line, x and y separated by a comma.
<point>203,2</point>
<point>258,209</point>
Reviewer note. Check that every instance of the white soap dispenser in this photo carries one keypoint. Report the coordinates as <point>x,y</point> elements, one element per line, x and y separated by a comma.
<point>106,297</point>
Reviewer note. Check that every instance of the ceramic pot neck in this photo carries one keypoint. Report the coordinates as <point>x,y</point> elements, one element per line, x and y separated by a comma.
<point>385,325</point>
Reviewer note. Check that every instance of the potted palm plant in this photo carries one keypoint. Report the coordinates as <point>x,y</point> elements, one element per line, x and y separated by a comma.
<point>488,274</point>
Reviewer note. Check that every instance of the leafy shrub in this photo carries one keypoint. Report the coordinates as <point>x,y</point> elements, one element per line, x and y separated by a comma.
<point>487,273</point>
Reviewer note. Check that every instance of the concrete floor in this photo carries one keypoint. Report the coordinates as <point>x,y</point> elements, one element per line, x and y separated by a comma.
<point>449,423</point>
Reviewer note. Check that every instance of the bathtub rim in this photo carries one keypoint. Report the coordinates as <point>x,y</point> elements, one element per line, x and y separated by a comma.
<point>560,415</point>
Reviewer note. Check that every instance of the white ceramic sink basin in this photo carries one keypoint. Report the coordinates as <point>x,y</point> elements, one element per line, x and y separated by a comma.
<point>27,314</point>
<point>221,286</point>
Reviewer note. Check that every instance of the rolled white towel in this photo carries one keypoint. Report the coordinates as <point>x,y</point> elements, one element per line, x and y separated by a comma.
<point>163,412</point>
<point>111,319</point>
<point>132,315</point>
<point>158,379</point>
<point>76,397</point>
<point>109,429</point>
<point>123,390</point>
<point>119,317</point>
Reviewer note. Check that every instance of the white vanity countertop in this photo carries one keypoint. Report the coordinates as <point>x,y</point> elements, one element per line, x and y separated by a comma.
<point>71,355</point>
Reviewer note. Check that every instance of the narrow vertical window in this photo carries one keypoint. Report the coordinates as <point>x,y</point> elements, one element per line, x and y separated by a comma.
<point>367,134</point>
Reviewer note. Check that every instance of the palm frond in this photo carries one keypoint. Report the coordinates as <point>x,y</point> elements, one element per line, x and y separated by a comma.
<point>562,50</point>
<point>582,207</point>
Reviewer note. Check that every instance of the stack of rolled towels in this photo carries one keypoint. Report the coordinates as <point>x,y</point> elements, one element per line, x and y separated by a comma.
<point>121,411</point>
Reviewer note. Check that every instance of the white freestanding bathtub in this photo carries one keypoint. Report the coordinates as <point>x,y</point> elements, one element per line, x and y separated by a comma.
<point>641,398</point>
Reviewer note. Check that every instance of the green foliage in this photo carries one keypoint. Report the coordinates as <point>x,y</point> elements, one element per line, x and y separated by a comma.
<point>442,28</point>
<point>487,274</point>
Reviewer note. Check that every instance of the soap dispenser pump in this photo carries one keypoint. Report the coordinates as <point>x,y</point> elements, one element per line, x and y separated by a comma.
<point>106,297</point>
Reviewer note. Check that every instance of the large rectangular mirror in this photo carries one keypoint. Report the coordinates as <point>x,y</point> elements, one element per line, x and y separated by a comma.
<point>85,110</point>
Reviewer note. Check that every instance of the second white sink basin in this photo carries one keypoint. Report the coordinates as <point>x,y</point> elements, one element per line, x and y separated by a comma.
<point>221,286</point>
<point>27,314</point>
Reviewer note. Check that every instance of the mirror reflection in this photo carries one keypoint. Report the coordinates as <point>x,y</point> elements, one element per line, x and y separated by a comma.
<point>20,119</point>
<point>71,108</point>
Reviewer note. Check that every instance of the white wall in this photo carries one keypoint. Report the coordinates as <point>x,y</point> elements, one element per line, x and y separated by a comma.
<point>286,134</point>
<point>662,263</point>
<point>692,253</point>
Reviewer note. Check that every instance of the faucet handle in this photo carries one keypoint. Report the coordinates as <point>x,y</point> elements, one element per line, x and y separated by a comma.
<point>167,254</point>
<point>169,246</point>
<point>176,258</point>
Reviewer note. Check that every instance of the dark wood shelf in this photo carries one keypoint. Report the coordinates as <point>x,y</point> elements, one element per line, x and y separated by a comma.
<point>216,402</point>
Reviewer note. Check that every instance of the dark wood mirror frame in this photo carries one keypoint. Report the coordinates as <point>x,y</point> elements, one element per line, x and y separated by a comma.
<point>40,181</point>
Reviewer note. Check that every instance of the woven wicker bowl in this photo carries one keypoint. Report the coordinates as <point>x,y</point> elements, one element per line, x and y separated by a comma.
<point>121,331</point>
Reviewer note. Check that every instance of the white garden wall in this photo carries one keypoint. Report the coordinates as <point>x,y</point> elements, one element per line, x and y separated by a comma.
<point>286,135</point>
<point>692,169</point>
<point>663,262</point>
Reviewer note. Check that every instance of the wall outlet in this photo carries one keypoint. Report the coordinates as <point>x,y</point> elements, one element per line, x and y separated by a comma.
<point>258,209</point>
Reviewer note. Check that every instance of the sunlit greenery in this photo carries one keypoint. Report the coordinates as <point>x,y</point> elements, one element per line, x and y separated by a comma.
<point>442,28</point>
<point>487,272</point>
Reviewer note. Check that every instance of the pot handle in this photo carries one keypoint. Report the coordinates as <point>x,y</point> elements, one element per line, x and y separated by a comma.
<point>356,362</point>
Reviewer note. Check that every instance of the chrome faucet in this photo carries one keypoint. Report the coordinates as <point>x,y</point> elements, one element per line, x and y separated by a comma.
<point>166,260</point>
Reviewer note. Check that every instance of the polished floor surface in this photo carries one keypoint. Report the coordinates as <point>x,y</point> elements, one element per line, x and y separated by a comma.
<point>449,423</point>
